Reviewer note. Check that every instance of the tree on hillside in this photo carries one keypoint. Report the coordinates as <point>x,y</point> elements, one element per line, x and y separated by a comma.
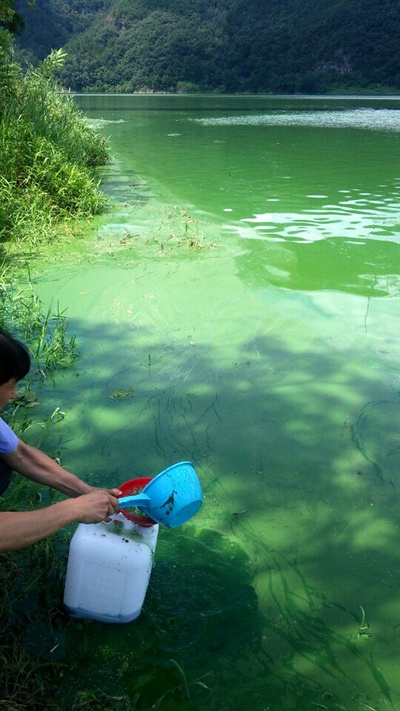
<point>217,45</point>
<point>10,24</point>
<point>10,20</point>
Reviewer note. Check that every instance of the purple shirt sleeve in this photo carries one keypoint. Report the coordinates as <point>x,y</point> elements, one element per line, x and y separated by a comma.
<point>8,438</point>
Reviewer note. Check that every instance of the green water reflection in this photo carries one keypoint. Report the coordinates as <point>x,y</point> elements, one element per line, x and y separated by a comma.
<point>269,359</point>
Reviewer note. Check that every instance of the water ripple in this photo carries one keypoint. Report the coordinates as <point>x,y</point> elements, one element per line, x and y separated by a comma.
<point>378,119</point>
<point>309,228</point>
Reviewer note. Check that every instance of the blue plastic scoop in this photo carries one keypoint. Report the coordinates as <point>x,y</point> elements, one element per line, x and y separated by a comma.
<point>171,498</point>
<point>138,500</point>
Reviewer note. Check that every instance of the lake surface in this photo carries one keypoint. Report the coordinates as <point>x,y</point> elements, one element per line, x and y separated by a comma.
<point>238,306</point>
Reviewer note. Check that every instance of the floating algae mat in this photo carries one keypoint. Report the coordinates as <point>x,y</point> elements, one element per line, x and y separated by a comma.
<point>243,314</point>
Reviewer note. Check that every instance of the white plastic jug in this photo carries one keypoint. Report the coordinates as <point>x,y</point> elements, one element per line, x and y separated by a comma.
<point>108,572</point>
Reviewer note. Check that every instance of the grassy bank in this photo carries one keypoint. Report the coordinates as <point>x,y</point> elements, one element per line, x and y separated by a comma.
<point>48,158</point>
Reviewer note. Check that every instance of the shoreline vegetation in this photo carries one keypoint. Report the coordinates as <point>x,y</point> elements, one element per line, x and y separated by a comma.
<point>48,161</point>
<point>48,157</point>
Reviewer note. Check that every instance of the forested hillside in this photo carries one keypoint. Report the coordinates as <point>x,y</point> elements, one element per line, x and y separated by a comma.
<point>284,46</point>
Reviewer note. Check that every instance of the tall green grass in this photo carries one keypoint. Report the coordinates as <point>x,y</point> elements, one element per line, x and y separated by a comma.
<point>48,155</point>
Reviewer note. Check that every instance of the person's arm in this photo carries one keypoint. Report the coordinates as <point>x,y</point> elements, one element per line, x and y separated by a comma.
<point>86,504</point>
<point>36,465</point>
<point>21,529</point>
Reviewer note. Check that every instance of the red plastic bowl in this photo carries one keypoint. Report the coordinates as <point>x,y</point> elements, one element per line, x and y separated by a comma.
<point>135,486</point>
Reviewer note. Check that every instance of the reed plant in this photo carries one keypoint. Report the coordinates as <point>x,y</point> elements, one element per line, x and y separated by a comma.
<point>45,331</point>
<point>48,155</point>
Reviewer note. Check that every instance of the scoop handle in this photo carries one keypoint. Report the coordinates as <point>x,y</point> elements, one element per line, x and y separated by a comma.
<point>136,500</point>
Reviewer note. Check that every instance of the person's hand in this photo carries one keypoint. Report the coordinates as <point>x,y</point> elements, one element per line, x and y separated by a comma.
<point>96,506</point>
<point>114,492</point>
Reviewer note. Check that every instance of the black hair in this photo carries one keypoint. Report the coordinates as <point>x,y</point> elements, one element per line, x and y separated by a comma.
<point>15,361</point>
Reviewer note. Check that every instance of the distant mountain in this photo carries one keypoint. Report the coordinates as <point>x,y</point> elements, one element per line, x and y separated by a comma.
<point>256,46</point>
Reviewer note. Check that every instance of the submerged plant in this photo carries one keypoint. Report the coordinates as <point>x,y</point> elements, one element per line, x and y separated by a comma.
<point>178,229</point>
<point>364,629</point>
<point>184,687</point>
<point>121,393</point>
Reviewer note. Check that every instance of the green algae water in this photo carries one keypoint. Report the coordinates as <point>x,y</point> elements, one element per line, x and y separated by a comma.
<point>237,306</point>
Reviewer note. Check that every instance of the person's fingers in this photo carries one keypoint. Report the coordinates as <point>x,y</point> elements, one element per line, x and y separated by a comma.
<point>114,492</point>
<point>113,505</point>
